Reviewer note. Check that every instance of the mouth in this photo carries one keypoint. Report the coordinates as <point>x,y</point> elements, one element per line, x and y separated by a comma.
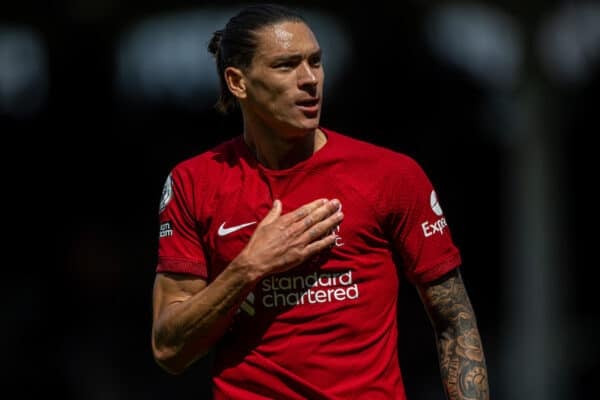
<point>309,106</point>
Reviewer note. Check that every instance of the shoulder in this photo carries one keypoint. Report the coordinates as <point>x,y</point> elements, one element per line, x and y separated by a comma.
<point>208,161</point>
<point>200,172</point>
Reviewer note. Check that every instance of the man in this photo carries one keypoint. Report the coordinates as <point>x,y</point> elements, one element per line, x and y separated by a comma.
<point>283,247</point>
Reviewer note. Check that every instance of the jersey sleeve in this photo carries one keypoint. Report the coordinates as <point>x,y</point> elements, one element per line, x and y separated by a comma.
<point>179,245</point>
<point>419,230</point>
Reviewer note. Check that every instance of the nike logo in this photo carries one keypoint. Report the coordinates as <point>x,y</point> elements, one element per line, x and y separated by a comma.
<point>226,231</point>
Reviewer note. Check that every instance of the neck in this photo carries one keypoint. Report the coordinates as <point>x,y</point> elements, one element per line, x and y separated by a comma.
<point>277,152</point>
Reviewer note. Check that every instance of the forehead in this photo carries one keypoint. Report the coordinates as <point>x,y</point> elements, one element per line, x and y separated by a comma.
<point>285,38</point>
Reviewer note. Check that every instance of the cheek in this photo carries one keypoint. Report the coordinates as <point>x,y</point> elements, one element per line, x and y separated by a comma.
<point>280,97</point>
<point>265,91</point>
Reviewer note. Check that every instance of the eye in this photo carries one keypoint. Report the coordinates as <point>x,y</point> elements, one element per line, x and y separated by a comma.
<point>285,65</point>
<point>315,61</point>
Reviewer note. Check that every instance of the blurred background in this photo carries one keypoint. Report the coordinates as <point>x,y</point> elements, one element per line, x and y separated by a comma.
<point>498,100</point>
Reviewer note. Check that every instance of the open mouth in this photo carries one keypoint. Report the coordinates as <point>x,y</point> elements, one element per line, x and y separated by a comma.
<point>310,107</point>
<point>308,103</point>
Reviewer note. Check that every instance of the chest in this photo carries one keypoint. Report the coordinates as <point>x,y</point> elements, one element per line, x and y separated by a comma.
<point>240,202</point>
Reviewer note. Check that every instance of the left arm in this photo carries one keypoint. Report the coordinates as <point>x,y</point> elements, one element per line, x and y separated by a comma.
<point>460,351</point>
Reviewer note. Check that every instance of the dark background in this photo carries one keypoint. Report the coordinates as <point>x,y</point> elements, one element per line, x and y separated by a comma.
<point>85,173</point>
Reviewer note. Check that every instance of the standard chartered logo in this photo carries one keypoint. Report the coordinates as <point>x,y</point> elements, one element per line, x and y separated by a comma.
<point>308,289</point>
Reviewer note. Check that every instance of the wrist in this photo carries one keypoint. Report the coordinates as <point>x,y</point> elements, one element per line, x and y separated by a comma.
<point>244,267</point>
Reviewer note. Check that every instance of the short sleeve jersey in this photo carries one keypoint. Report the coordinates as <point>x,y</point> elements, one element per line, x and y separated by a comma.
<point>326,329</point>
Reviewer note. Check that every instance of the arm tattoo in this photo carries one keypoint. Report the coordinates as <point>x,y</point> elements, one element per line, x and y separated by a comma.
<point>462,361</point>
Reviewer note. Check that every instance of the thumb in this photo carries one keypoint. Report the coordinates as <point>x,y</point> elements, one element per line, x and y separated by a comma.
<point>274,213</point>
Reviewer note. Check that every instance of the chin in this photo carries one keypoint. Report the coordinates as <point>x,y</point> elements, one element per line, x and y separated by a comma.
<point>311,123</point>
<point>302,125</point>
<point>308,129</point>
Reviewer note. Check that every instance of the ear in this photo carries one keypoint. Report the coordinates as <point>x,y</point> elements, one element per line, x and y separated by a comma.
<point>235,82</point>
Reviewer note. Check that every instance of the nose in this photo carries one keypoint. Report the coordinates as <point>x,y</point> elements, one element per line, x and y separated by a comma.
<point>307,74</point>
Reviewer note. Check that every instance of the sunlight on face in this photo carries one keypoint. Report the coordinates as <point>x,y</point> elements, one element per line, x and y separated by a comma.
<point>283,37</point>
<point>285,81</point>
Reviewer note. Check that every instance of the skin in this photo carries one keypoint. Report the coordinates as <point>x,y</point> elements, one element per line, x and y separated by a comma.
<point>462,361</point>
<point>190,315</point>
<point>280,96</point>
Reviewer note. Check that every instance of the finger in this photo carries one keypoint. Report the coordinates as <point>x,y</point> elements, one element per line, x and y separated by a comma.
<point>326,210</point>
<point>317,215</point>
<point>324,227</point>
<point>320,245</point>
<point>302,211</point>
<point>273,213</point>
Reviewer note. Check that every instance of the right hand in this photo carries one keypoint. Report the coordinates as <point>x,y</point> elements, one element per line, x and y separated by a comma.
<point>281,242</point>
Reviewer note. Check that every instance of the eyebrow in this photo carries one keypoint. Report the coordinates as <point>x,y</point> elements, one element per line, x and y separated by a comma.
<point>296,56</point>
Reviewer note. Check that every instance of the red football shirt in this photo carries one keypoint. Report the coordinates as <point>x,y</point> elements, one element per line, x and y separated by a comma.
<point>326,329</point>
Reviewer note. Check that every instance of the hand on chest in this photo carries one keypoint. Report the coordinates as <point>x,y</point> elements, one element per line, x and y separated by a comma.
<point>238,212</point>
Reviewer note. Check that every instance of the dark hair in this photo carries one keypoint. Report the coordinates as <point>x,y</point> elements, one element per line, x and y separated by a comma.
<point>235,45</point>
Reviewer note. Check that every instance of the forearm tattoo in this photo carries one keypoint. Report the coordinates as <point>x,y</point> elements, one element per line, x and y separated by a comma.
<point>462,361</point>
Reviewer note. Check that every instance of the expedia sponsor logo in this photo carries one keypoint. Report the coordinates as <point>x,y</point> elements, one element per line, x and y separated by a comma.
<point>436,227</point>
<point>308,289</point>
<point>435,204</point>
<point>165,230</point>
<point>439,225</point>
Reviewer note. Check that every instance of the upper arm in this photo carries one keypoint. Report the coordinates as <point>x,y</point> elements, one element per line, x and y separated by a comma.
<point>173,288</point>
<point>417,226</point>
